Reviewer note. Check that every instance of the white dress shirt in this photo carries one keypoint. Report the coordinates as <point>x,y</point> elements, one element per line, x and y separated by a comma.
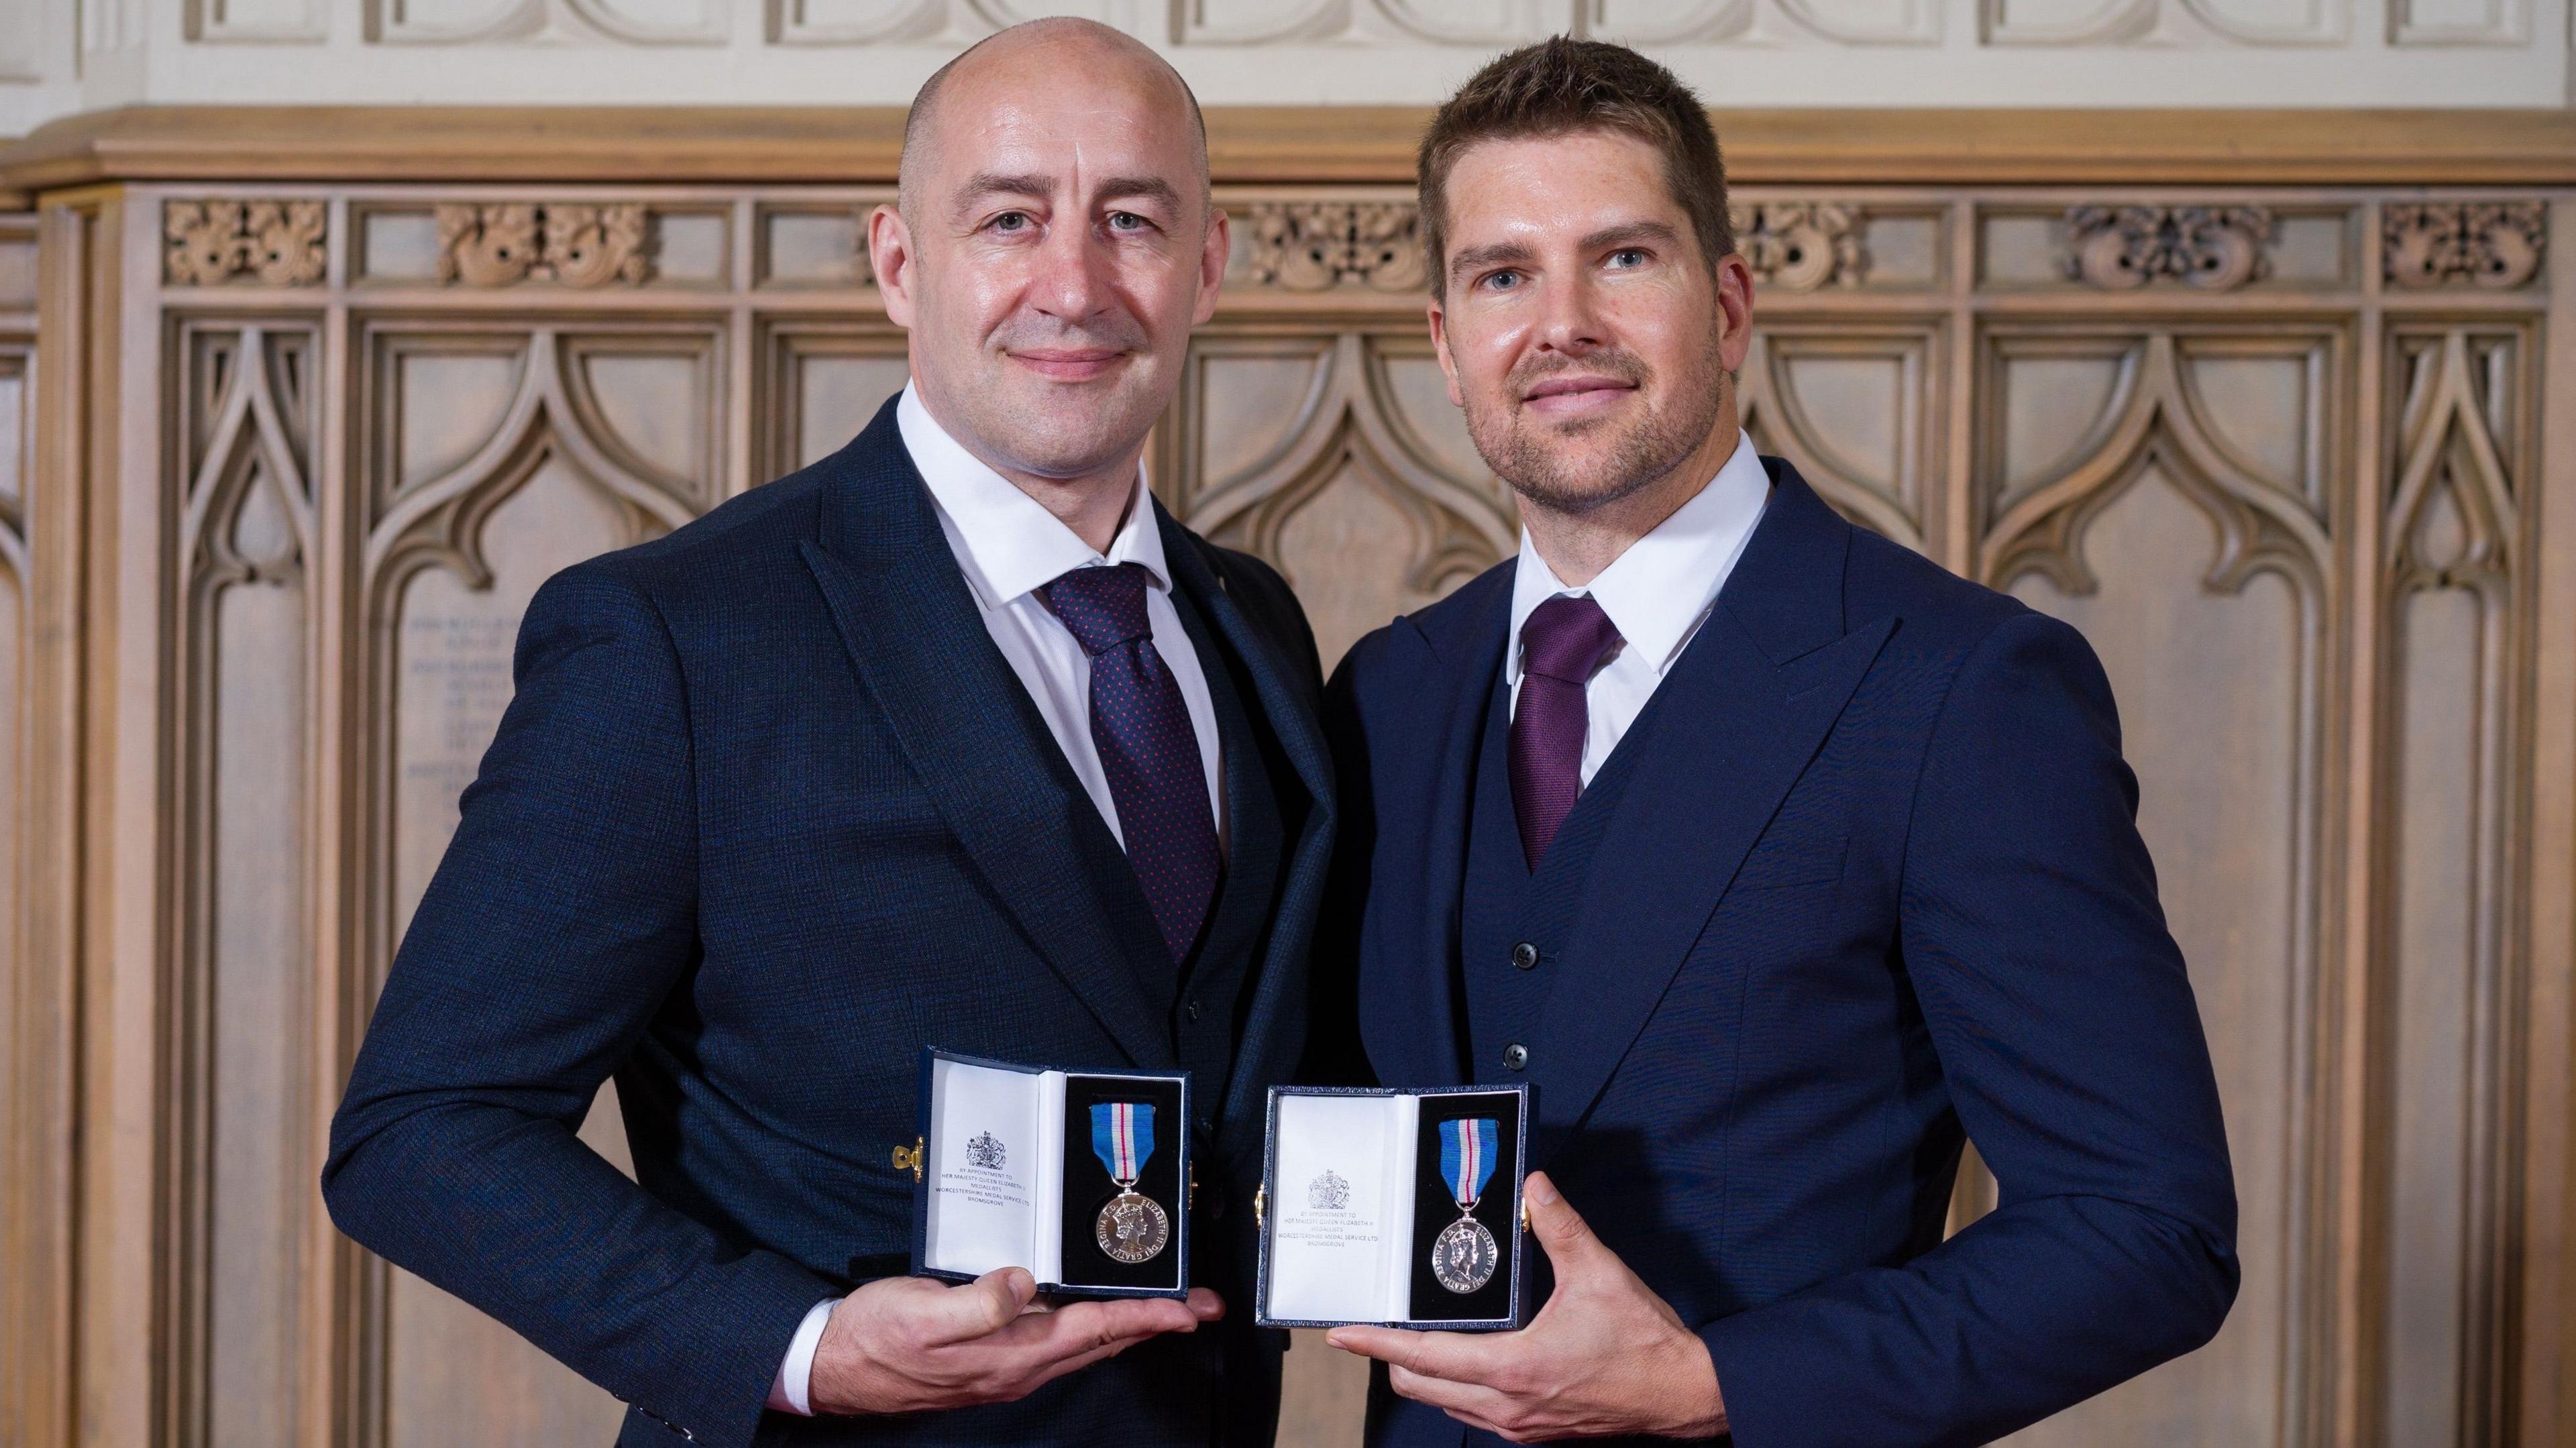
<point>1657,595</point>
<point>1007,544</point>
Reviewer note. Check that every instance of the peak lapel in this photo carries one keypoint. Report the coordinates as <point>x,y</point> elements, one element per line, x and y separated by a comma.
<point>967,727</point>
<point>1742,714</point>
<point>1291,717</point>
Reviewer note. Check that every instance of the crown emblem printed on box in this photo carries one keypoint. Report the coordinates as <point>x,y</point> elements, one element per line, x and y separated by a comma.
<point>1329,1193</point>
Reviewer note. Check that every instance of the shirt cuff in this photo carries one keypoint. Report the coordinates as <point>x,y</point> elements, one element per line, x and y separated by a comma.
<point>791,1393</point>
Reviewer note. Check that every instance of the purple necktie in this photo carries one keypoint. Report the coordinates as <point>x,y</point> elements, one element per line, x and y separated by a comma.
<point>1147,748</point>
<point>1563,641</point>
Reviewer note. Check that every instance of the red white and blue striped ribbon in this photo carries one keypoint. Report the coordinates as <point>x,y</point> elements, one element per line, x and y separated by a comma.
<point>1122,1136</point>
<point>1467,1157</point>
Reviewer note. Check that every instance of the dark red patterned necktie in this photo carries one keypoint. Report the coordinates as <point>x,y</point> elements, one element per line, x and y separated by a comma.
<point>1563,641</point>
<point>1141,726</point>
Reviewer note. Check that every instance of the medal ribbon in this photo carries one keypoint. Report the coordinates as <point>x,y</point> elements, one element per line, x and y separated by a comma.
<point>1466,1158</point>
<point>1122,1136</point>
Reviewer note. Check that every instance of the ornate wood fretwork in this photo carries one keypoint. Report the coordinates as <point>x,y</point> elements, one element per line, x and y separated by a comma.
<point>2210,247</point>
<point>1315,246</point>
<point>276,242</point>
<point>1455,525</point>
<point>579,245</point>
<point>247,416</point>
<point>2493,244</point>
<point>439,522</point>
<point>2261,525</point>
<point>1800,246</point>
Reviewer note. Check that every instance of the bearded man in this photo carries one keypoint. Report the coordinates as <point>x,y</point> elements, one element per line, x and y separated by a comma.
<point>1772,856</point>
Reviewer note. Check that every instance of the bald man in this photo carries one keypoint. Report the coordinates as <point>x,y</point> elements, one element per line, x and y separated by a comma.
<point>952,738</point>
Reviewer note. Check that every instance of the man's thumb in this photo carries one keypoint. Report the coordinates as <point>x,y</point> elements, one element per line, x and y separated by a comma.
<point>1560,1229</point>
<point>993,1301</point>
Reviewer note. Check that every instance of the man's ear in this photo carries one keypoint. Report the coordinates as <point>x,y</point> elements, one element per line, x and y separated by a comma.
<point>1440,344</point>
<point>890,260</point>
<point>1213,255</point>
<point>1734,311</point>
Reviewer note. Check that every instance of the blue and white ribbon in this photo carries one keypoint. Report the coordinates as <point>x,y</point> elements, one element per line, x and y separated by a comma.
<point>1466,1158</point>
<point>1122,1136</point>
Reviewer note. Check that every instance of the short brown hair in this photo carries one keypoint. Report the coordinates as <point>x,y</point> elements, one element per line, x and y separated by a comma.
<point>1562,87</point>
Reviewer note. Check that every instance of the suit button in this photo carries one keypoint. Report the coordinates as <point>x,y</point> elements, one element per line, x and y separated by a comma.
<point>1194,1010</point>
<point>1525,955</point>
<point>1515,1056</point>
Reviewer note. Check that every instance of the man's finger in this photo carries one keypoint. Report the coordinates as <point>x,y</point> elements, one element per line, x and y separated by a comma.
<point>1050,1371</point>
<point>1455,1356</point>
<point>1081,1327</point>
<point>1560,1229</point>
<point>1468,1399</point>
<point>1205,1305</point>
<point>986,1305</point>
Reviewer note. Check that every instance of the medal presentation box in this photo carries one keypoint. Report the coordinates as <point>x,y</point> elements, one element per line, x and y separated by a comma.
<point>1078,1176</point>
<point>1394,1208</point>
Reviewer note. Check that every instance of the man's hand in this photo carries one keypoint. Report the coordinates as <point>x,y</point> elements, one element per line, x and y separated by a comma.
<point>1605,1356</point>
<point>911,1345</point>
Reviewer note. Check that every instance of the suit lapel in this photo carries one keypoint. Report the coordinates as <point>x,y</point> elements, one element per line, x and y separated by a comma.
<point>1409,1010</point>
<point>969,730</point>
<point>1725,737</point>
<point>1291,717</point>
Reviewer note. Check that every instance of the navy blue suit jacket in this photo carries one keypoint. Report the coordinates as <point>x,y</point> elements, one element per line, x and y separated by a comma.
<point>1875,884</point>
<point>768,813</point>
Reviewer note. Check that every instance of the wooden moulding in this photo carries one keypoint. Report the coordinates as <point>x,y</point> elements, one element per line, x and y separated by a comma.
<point>1284,145</point>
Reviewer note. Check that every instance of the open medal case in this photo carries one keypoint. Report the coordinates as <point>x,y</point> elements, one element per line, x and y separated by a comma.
<point>1016,1170</point>
<point>1360,1209</point>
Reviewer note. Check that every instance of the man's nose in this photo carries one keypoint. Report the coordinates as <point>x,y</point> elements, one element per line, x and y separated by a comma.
<point>1570,318</point>
<point>1073,273</point>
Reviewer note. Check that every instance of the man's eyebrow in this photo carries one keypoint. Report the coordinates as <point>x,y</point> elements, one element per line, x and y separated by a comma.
<point>1629,233</point>
<point>1153,188</point>
<point>993,183</point>
<point>1474,257</point>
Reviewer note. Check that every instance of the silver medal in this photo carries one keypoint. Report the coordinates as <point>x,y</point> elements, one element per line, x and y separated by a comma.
<point>1463,1256</point>
<point>1133,1229</point>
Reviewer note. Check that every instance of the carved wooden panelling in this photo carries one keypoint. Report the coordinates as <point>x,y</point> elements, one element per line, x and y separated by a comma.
<point>822,380</point>
<point>17,1020</point>
<point>2454,551</point>
<point>500,457</point>
<point>1855,411</point>
<point>214,240</point>
<point>2496,245</point>
<point>247,409</point>
<point>2278,453</point>
<point>1339,458</point>
<point>2201,578</point>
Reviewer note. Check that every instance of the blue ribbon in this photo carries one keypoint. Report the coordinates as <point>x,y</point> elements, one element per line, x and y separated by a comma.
<point>1466,1157</point>
<point>1122,1136</point>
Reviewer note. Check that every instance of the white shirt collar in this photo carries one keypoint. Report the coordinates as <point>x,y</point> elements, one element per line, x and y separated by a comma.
<point>1657,592</point>
<point>1006,542</point>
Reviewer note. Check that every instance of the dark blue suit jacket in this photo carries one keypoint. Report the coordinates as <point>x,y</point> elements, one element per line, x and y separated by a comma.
<point>1875,884</point>
<point>768,813</point>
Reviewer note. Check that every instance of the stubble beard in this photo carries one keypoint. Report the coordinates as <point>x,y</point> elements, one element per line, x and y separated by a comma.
<point>1537,466</point>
